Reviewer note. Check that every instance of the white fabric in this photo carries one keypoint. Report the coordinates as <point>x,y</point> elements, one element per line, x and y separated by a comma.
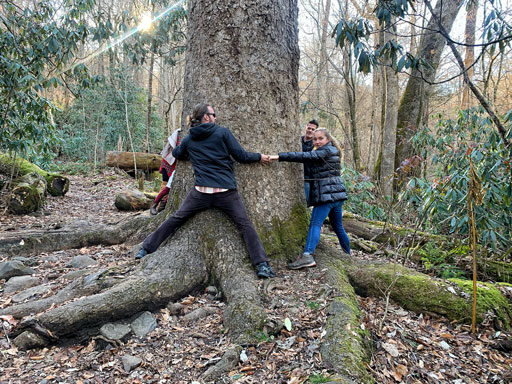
<point>169,146</point>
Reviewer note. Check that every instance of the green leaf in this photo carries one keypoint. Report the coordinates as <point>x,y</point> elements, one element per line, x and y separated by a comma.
<point>288,324</point>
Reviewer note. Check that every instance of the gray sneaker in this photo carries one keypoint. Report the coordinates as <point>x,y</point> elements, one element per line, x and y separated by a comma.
<point>304,261</point>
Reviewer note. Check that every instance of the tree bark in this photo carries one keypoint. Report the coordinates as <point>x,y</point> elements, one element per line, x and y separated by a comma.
<point>128,160</point>
<point>417,91</point>
<point>56,185</point>
<point>387,164</point>
<point>132,200</point>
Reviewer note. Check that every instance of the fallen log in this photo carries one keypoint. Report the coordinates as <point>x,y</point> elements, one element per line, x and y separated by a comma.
<point>127,160</point>
<point>56,184</point>
<point>132,200</point>
<point>28,194</point>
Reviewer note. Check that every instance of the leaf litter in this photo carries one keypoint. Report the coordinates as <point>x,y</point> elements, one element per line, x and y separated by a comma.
<point>409,348</point>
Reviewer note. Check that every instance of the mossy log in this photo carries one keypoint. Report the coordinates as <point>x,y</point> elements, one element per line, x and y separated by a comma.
<point>127,160</point>
<point>132,200</point>
<point>56,185</point>
<point>424,294</point>
<point>27,194</point>
<point>345,346</point>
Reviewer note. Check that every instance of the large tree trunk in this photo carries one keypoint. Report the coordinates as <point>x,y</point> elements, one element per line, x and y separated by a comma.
<point>417,91</point>
<point>249,74</point>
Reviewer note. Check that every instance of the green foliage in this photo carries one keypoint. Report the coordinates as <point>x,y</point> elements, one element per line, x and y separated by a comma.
<point>96,121</point>
<point>37,44</point>
<point>70,168</point>
<point>440,262</point>
<point>362,195</point>
<point>318,378</point>
<point>313,305</point>
<point>443,201</point>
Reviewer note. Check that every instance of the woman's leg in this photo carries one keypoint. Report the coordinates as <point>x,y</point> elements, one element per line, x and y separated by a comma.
<point>336,219</point>
<point>318,216</point>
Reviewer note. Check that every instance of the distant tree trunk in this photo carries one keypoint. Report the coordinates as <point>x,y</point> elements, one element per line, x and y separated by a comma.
<point>350,88</point>
<point>322,69</point>
<point>469,57</point>
<point>150,100</point>
<point>387,165</point>
<point>410,111</point>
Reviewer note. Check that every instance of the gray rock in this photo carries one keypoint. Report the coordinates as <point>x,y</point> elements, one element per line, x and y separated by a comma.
<point>175,308</point>
<point>20,283</point>
<point>228,362</point>
<point>49,259</point>
<point>29,340</point>
<point>130,362</point>
<point>30,293</point>
<point>211,290</point>
<point>89,279</point>
<point>143,324</point>
<point>199,313</point>
<point>14,268</point>
<point>115,331</point>
<point>74,274</point>
<point>82,261</point>
<point>26,260</point>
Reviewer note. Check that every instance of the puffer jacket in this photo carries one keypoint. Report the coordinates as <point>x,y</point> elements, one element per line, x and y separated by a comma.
<point>211,149</point>
<point>326,186</point>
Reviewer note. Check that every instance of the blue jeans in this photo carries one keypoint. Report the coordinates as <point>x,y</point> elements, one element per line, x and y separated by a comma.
<point>320,212</point>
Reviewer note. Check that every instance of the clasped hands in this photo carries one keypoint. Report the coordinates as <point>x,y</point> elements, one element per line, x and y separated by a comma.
<point>267,159</point>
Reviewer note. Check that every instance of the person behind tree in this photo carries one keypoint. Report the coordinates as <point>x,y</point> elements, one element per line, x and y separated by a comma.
<point>211,149</point>
<point>307,145</point>
<point>327,194</point>
<point>167,171</point>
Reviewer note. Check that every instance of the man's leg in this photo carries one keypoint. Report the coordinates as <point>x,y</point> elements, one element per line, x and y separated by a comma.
<point>195,202</point>
<point>231,203</point>
<point>307,190</point>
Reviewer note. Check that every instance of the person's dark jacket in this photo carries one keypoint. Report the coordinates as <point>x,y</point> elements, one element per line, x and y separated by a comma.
<point>306,147</point>
<point>211,148</point>
<point>326,186</point>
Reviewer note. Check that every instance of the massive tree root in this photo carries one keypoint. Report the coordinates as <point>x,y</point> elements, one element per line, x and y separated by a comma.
<point>192,258</point>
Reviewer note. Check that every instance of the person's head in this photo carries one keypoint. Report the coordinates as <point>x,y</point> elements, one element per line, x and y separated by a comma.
<point>202,113</point>
<point>310,128</point>
<point>322,136</point>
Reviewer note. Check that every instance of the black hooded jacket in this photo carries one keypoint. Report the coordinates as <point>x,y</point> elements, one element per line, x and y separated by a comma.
<point>211,148</point>
<point>326,186</point>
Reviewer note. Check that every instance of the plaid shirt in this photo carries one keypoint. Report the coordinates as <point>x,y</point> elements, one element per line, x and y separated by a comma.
<point>210,190</point>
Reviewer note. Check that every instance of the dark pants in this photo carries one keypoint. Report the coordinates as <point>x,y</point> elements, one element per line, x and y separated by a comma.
<point>195,202</point>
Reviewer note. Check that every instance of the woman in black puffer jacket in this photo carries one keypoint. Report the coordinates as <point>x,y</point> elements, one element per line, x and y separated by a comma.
<point>327,193</point>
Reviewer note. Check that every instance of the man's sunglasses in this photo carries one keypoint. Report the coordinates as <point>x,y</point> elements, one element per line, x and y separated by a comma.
<point>211,114</point>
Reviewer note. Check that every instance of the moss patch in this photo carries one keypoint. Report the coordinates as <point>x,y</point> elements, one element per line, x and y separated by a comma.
<point>488,300</point>
<point>286,238</point>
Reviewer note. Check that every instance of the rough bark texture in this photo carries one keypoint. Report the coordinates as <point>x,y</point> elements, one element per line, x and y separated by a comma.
<point>411,109</point>
<point>125,160</point>
<point>132,200</point>
<point>56,185</point>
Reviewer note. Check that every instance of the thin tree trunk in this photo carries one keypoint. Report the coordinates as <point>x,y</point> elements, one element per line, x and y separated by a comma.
<point>387,168</point>
<point>150,100</point>
<point>469,57</point>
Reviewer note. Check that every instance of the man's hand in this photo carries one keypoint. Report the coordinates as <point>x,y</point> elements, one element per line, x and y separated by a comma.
<point>274,157</point>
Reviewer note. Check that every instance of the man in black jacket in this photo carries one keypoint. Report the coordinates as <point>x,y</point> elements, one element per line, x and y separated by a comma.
<point>211,149</point>
<point>307,145</point>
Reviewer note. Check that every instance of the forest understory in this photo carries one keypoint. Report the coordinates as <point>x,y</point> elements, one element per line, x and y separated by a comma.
<point>406,347</point>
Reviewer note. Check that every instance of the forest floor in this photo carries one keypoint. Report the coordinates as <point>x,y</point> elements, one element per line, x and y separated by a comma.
<point>407,347</point>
